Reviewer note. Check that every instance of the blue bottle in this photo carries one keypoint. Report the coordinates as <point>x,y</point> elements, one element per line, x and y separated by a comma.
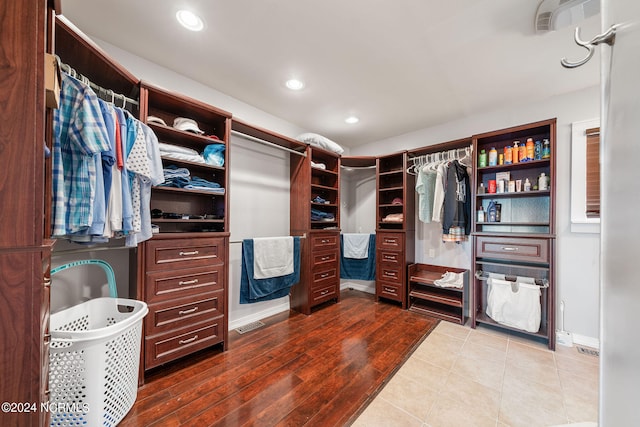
<point>537,151</point>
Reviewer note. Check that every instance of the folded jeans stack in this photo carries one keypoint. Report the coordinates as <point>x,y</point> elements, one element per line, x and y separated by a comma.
<point>318,215</point>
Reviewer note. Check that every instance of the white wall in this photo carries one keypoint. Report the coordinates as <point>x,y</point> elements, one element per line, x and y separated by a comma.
<point>577,253</point>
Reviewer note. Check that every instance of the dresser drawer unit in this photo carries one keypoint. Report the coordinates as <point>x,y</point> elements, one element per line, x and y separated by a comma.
<point>513,249</point>
<point>390,258</point>
<point>170,315</point>
<point>323,242</point>
<point>179,253</point>
<point>390,241</point>
<point>390,290</point>
<point>324,293</point>
<point>390,274</point>
<point>322,277</point>
<point>323,260</point>
<point>166,347</point>
<point>175,284</point>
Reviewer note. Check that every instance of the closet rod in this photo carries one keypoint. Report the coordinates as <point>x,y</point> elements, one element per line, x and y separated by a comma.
<point>88,249</point>
<point>271,144</point>
<point>358,167</point>
<point>304,236</point>
<point>73,73</point>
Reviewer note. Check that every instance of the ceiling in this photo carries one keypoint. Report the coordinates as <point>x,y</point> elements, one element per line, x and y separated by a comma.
<point>398,65</point>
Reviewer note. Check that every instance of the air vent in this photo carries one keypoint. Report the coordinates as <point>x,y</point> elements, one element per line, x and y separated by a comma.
<point>543,22</point>
<point>249,327</point>
<point>588,351</point>
<point>556,14</point>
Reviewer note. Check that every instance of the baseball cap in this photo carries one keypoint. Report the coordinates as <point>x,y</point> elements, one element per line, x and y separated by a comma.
<point>189,125</point>
<point>396,201</point>
<point>156,120</point>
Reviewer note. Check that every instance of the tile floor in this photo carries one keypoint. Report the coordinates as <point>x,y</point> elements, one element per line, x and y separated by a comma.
<point>480,377</point>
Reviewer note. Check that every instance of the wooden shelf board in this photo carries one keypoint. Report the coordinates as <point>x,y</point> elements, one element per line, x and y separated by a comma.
<point>439,298</point>
<point>187,163</point>
<point>391,172</point>
<point>520,165</point>
<point>483,318</point>
<point>434,312</point>
<point>189,191</point>
<point>521,224</point>
<point>532,193</point>
<point>323,187</point>
<point>391,188</point>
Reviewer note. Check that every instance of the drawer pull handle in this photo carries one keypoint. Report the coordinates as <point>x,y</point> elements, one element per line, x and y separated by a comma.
<point>386,273</point>
<point>191,310</point>
<point>47,282</point>
<point>189,341</point>
<point>188,282</point>
<point>324,241</point>
<point>389,257</point>
<point>325,258</point>
<point>392,291</point>
<point>188,253</point>
<point>326,291</point>
<point>323,275</point>
<point>509,248</point>
<point>390,241</point>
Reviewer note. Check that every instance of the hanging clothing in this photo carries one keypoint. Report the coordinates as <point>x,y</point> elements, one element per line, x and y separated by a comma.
<point>79,133</point>
<point>457,201</point>
<point>426,187</point>
<point>438,194</point>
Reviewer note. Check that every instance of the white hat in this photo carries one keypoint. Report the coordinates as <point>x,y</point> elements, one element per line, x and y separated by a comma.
<point>156,120</point>
<point>189,125</point>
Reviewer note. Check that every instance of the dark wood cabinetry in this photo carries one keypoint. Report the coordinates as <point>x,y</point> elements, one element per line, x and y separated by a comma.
<point>315,213</point>
<point>24,248</point>
<point>522,243</point>
<point>185,288</point>
<point>395,239</point>
<point>183,270</point>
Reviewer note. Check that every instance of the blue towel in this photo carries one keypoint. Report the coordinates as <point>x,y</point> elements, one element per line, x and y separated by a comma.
<point>256,290</point>
<point>359,269</point>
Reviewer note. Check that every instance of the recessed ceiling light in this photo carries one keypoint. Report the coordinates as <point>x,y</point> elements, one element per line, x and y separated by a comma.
<point>352,120</point>
<point>189,20</point>
<point>294,84</point>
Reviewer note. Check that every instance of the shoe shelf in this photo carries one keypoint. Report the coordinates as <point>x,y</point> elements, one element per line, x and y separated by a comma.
<point>427,298</point>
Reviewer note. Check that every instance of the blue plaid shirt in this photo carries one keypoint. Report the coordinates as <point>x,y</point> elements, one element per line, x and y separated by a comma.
<point>79,133</point>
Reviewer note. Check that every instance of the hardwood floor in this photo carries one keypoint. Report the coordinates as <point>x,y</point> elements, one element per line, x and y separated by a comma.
<point>296,370</point>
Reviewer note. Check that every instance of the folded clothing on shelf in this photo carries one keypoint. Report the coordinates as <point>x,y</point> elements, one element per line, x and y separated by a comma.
<point>397,217</point>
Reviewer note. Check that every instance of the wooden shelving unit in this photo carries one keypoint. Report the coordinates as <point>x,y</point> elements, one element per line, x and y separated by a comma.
<point>427,298</point>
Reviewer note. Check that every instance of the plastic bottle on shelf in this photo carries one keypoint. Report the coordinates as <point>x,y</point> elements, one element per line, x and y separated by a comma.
<point>516,152</point>
<point>546,149</point>
<point>493,156</point>
<point>530,148</point>
<point>480,216</point>
<point>542,182</point>
<point>522,153</point>
<point>508,155</point>
<point>537,151</point>
<point>482,159</point>
<point>527,185</point>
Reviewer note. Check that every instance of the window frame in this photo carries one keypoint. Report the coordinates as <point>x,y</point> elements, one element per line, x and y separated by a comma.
<point>580,223</point>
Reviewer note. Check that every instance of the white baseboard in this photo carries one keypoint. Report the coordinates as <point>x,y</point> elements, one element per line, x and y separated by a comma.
<point>586,341</point>
<point>360,285</point>
<point>258,316</point>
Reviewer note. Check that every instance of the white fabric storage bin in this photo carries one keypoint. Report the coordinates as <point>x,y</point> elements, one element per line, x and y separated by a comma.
<point>514,304</point>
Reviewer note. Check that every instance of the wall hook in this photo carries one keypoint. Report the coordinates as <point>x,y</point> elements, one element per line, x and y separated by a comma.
<point>608,37</point>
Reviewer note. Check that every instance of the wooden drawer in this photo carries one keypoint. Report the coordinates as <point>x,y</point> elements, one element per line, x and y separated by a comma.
<point>324,293</point>
<point>163,285</point>
<point>323,260</point>
<point>160,349</point>
<point>391,258</point>
<point>392,241</point>
<point>322,277</point>
<point>390,274</point>
<point>392,291</point>
<point>324,241</point>
<point>172,314</point>
<point>163,254</point>
<point>513,249</point>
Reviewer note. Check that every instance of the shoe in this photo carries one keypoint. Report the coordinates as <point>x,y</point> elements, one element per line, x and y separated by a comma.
<point>320,200</point>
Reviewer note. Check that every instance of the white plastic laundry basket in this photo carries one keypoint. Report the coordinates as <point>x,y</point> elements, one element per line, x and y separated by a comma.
<point>94,359</point>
